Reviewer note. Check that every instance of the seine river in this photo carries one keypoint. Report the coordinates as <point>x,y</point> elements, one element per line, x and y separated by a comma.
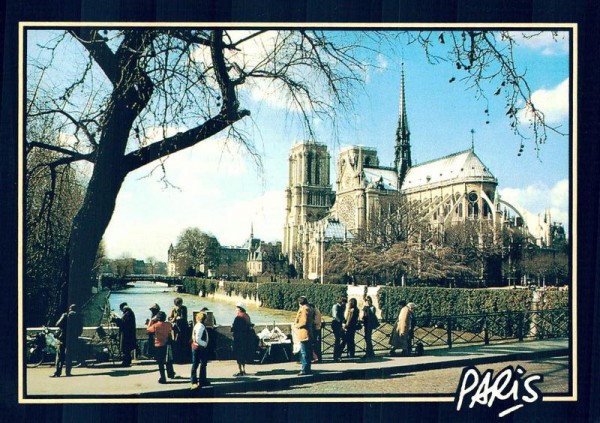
<point>140,295</point>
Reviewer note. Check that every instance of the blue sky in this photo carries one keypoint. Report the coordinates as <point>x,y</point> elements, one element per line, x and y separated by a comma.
<point>220,189</point>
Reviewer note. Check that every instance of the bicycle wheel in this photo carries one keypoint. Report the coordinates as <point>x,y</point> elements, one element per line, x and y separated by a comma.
<point>34,356</point>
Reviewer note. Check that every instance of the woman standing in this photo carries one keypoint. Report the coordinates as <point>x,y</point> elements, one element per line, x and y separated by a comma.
<point>242,338</point>
<point>351,325</point>
<point>199,351</point>
<point>162,331</point>
<point>181,335</point>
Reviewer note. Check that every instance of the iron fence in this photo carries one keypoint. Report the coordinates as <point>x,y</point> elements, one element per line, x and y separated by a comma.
<point>448,331</point>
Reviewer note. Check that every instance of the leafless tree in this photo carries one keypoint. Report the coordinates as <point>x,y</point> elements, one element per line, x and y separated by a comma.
<point>140,95</point>
<point>486,58</point>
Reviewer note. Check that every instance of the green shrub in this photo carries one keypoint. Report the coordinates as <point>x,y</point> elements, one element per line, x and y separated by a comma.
<point>555,299</point>
<point>444,301</point>
<point>246,290</point>
<point>284,296</point>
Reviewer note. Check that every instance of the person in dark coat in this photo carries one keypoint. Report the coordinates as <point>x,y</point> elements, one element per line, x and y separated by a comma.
<point>243,339</point>
<point>338,312</point>
<point>181,331</point>
<point>350,326</point>
<point>126,325</point>
<point>370,323</point>
<point>70,326</point>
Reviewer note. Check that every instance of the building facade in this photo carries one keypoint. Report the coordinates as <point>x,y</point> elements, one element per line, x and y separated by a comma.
<point>445,191</point>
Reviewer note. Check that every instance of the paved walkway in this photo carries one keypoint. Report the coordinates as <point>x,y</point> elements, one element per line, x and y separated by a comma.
<point>105,381</point>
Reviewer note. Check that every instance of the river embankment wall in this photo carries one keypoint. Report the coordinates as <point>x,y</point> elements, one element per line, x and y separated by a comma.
<point>94,309</point>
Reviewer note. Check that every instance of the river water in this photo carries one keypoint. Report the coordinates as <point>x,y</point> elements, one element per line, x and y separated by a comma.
<point>140,295</point>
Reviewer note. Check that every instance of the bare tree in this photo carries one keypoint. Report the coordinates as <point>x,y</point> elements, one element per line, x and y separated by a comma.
<point>136,87</point>
<point>485,58</point>
<point>136,96</point>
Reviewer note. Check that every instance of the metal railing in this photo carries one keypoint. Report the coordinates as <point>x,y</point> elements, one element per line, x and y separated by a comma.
<point>482,328</point>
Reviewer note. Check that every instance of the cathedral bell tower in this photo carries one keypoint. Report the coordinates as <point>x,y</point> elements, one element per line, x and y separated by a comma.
<point>308,196</point>
<point>402,150</point>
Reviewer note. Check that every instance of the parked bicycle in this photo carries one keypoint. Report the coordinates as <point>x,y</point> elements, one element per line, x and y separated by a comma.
<point>41,348</point>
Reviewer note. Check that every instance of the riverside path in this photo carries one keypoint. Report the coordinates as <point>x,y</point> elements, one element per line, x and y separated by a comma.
<point>105,382</point>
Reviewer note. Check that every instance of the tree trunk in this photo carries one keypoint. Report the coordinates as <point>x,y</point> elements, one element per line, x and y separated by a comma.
<point>94,216</point>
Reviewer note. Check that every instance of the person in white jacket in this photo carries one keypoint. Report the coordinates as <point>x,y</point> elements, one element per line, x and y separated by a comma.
<point>199,352</point>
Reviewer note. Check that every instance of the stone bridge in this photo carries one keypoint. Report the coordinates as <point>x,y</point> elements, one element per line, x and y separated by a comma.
<point>116,282</point>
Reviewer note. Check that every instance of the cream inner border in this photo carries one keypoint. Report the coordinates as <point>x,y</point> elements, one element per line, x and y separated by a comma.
<point>573,226</point>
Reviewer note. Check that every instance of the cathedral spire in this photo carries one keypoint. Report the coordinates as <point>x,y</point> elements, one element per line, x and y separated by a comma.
<point>402,150</point>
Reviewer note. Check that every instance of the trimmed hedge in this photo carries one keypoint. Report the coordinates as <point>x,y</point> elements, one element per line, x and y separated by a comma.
<point>455,301</point>
<point>194,286</point>
<point>246,290</point>
<point>555,299</point>
<point>284,296</point>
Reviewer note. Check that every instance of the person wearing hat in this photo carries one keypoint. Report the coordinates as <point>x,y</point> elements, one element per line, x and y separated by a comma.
<point>126,325</point>
<point>181,331</point>
<point>242,339</point>
<point>404,330</point>
<point>154,309</point>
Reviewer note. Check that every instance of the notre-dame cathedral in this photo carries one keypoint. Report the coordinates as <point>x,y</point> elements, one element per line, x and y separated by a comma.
<point>451,189</point>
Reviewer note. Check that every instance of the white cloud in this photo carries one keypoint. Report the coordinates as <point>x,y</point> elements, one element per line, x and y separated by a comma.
<point>382,63</point>
<point>157,222</point>
<point>544,42</point>
<point>533,200</point>
<point>553,102</point>
<point>149,216</point>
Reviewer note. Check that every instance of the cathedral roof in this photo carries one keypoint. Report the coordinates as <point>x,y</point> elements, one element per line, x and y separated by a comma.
<point>461,165</point>
<point>334,230</point>
<point>381,178</point>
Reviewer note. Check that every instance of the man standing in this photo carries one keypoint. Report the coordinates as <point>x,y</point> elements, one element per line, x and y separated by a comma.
<point>316,342</point>
<point>126,325</point>
<point>70,326</point>
<point>304,324</point>
<point>370,323</point>
<point>338,312</point>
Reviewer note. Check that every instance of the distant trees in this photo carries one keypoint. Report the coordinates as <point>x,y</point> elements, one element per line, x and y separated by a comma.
<point>196,252</point>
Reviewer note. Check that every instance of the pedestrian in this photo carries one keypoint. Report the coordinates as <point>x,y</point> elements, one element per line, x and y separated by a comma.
<point>154,309</point>
<point>370,323</point>
<point>127,336</point>
<point>200,339</point>
<point>395,334</point>
<point>162,336</point>
<point>338,313</point>
<point>351,326</point>
<point>210,324</point>
<point>242,339</point>
<point>304,325</point>
<point>181,331</point>
<point>403,333</point>
<point>70,327</point>
<point>318,319</point>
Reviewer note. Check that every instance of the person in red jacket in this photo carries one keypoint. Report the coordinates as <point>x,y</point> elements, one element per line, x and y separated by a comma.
<point>162,334</point>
